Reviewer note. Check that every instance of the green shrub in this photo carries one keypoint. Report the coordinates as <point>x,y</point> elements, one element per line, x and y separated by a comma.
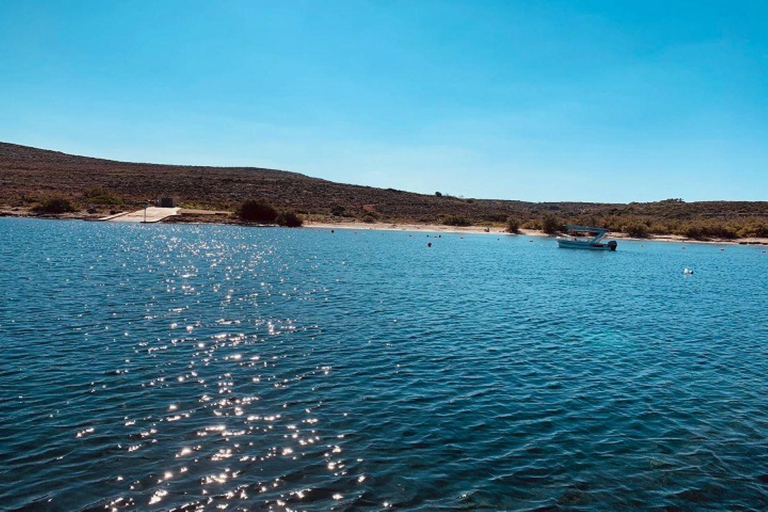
<point>513,225</point>
<point>660,228</point>
<point>701,230</point>
<point>369,218</point>
<point>635,229</point>
<point>551,224</point>
<point>257,210</point>
<point>289,220</point>
<point>456,220</point>
<point>757,228</point>
<point>54,205</point>
<point>691,231</point>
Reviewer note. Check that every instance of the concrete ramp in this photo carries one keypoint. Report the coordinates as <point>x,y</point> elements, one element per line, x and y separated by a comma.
<point>151,215</point>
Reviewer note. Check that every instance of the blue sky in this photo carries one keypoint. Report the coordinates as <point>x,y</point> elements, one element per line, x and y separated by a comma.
<point>543,101</point>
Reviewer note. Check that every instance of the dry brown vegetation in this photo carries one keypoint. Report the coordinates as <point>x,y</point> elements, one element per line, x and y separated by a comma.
<point>29,177</point>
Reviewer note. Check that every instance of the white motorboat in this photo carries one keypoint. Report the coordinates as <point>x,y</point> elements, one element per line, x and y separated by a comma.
<point>585,237</point>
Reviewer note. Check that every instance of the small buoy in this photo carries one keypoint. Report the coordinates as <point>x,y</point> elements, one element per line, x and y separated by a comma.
<point>531,241</point>
<point>683,247</point>
<point>722,250</point>
<point>332,231</point>
<point>429,244</point>
<point>687,271</point>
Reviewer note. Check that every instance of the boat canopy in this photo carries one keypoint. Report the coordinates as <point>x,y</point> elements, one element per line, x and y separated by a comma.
<point>585,229</point>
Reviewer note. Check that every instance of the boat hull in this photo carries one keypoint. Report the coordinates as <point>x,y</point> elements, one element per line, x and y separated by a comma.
<point>580,244</point>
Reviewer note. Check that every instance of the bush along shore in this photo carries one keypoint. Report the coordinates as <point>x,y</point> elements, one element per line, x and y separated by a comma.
<point>259,212</point>
<point>96,203</point>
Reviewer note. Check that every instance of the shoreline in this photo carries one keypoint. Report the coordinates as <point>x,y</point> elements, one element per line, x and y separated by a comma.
<point>202,217</point>
<point>479,230</point>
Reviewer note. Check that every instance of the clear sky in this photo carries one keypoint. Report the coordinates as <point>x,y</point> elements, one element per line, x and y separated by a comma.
<point>552,100</point>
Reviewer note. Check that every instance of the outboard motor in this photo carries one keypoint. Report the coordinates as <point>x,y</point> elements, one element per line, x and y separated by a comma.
<point>612,244</point>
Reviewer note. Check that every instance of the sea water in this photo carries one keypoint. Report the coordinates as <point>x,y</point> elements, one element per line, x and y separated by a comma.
<point>182,367</point>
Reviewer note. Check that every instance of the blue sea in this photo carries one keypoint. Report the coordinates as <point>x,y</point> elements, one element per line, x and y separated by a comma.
<point>184,367</point>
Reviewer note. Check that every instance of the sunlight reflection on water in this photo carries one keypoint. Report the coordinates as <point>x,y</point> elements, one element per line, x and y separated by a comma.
<point>202,367</point>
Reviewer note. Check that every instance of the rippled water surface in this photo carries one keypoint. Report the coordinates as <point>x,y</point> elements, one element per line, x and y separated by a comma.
<point>209,367</point>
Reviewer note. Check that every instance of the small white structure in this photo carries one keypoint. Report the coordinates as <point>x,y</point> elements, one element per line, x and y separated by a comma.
<point>148,215</point>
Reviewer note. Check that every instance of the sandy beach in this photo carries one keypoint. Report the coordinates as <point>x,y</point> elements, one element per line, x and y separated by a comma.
<point>481,230</point>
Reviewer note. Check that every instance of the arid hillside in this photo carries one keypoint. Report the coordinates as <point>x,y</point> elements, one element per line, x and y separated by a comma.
<point>29,176</point>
